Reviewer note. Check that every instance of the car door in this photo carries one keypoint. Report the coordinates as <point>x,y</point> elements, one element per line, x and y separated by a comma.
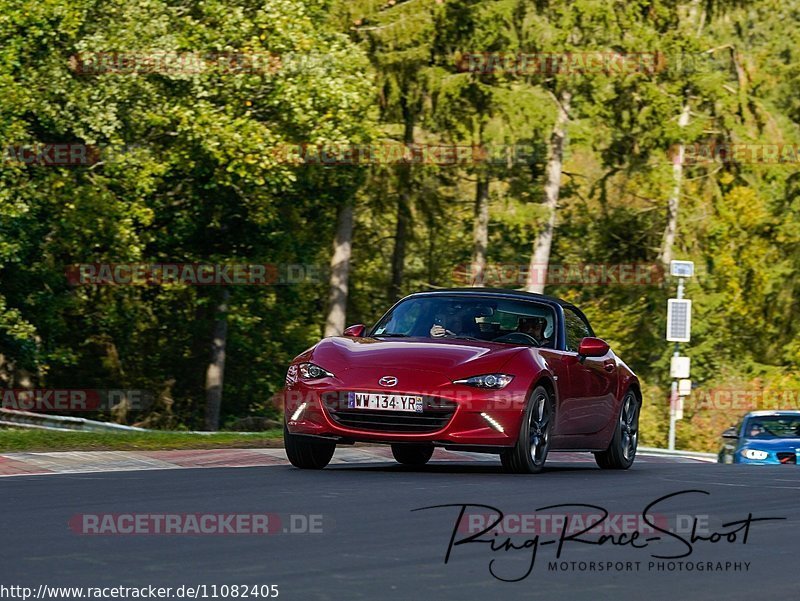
<point>588,397</point>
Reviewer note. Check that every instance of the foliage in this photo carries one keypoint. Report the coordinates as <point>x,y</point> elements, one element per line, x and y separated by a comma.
<point>43,441</point>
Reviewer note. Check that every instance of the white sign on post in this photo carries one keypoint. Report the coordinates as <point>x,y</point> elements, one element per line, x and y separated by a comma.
<point>681,269</point>
<point>684,387</point>
<point>679,367</point>
<point>679,320</point>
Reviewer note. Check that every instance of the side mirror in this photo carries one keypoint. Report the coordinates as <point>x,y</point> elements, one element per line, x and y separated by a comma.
<point>593,347</point>
<point>731,432</point>
<point>356,331</point>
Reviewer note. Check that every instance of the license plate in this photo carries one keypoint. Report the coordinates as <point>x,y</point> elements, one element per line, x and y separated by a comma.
<point>384,402</point>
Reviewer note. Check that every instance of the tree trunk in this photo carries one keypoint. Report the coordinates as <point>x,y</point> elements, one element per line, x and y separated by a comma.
<point>403,211</point>
<point>480,232</point>
<point>400,233</point>
<point>340,272</point>
<point>540,257</point>
<point>668,240</point>
<point>742,78</point>
<point>216,366</point>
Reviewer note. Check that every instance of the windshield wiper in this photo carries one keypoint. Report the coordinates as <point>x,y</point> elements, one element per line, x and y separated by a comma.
<point>390,335</point>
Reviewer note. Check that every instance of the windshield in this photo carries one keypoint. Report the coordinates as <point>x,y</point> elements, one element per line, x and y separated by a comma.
<point>773,426</point>
<point>493,320</point>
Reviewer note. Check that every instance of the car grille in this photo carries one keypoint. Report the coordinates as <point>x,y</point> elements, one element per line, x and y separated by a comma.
<point>435,416</point>
<point>787,457</point>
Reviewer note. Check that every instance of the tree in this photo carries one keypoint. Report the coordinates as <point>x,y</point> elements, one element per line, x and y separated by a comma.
<point>189,174</point>
<point>340,272</point>
<point>540,258</point>
<point>665,254</point>
<point>397,38</point>
<point>216,366</point>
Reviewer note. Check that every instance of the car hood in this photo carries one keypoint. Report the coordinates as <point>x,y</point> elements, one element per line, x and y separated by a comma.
<point>772,444</point>
<point>451,356</point>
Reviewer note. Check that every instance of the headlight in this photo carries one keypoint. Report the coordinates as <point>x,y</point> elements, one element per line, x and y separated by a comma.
<point>490,381</point>
<point>310,371</point>
<point>754,454</point>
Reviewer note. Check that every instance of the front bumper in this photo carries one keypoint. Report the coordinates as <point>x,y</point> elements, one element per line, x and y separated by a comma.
<point>772,458</point>
<point>479,418</point>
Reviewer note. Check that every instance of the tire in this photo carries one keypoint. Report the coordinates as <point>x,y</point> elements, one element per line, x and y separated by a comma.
<point>412,454</point>
<point>307,453</point>
<point>530,453</point>
<point>621,451</point>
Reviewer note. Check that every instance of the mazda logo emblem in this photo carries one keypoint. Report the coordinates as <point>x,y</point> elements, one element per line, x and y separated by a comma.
<point>388,381</point>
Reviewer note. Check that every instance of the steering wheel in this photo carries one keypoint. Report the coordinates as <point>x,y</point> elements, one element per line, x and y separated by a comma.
<point>518,338</point>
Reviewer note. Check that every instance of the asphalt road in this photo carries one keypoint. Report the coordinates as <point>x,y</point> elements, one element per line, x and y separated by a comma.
<point>373,546</point>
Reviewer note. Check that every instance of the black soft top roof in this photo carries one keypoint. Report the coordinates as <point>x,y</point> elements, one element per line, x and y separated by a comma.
<point>499,292</point>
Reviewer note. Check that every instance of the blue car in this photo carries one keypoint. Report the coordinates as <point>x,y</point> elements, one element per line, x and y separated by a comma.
<point>763,438</point>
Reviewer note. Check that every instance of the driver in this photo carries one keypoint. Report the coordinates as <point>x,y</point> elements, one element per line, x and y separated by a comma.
<point>446,323</point>
<point>534,327</point>
<point>756,429</point>
<point>457,321</point>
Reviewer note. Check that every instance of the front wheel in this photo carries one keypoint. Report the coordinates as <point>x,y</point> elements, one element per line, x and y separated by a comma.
<point>621,450</point>
<point>412,454</point>
<point>307,453</point>
<point>530,452</point>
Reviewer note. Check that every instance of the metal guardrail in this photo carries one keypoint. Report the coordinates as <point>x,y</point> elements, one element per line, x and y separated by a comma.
<point>676,453</point>
<point>13,418</point>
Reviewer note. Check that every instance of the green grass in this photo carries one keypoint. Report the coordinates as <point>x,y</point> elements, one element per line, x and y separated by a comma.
<point>13,440</point>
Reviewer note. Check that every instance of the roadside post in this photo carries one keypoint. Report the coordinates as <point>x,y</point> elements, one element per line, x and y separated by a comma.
<point>679,323</point>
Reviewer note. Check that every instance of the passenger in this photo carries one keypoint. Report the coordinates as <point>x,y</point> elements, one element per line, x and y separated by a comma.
<point>534,327</point>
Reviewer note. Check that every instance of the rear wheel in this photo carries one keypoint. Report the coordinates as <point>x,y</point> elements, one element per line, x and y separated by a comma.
<point>305,452</point>
<point>412,454</point>
<point>622,450</point>
<point>530,452</point>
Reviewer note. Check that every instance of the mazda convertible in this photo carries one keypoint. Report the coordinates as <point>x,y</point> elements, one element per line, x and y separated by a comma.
<point>512,373</point>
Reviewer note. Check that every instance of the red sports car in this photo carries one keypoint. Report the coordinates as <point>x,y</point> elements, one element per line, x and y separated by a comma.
<point>494,371</point>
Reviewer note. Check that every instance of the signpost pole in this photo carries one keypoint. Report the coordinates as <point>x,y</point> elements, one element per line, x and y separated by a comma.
<point>673,408</point>
<point>678,324</point>
<point>673,397</point>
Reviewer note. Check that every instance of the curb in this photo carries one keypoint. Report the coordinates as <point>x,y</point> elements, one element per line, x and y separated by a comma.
<point>677,453</point>
<point>81,462</point>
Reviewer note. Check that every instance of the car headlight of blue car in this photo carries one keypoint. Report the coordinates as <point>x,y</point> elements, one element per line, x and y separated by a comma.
<point>754,454</point>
